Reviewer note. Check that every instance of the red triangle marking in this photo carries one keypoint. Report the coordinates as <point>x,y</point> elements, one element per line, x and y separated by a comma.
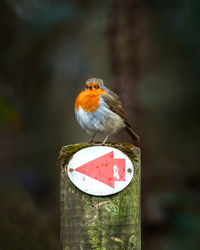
<point>105,169</point>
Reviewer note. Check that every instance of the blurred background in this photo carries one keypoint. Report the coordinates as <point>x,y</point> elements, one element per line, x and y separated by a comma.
<point>146,51</point>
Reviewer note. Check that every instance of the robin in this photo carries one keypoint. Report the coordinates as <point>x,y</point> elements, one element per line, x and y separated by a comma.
<point>99,110</point>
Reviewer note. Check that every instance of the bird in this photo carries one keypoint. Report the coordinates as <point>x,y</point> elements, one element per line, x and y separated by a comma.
<point>99,110</point>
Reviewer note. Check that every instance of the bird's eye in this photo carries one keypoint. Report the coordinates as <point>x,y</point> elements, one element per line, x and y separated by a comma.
<point>90,87</point>
<point>98,86</point>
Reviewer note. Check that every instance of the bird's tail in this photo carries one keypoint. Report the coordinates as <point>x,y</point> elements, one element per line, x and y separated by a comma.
<point>129,130</point>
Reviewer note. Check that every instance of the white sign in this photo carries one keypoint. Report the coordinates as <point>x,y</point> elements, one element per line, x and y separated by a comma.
<point>100,170</point>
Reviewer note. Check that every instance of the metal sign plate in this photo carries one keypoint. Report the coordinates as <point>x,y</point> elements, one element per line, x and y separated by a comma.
<point>100,170</point>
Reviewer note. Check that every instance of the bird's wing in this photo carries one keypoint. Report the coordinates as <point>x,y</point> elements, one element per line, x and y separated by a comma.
<point>114,103</point>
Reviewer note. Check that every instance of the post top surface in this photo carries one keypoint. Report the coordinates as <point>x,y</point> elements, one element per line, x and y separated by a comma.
<point>126,148</point>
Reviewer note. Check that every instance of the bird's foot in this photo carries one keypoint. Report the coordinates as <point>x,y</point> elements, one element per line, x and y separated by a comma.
<point>91,142</point>
<point>101,143</point>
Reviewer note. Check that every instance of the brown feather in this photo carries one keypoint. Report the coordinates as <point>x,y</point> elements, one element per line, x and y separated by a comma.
<point>129,130</point>
<point>114,103</point>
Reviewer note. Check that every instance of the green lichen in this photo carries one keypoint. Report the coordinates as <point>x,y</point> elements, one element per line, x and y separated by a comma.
<point>112,209</point>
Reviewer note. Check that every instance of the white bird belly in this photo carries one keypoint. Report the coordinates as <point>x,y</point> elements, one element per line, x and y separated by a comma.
<point>103,120</point>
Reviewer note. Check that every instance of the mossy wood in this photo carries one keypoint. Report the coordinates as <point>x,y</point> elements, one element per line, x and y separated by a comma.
<point>101,223</point>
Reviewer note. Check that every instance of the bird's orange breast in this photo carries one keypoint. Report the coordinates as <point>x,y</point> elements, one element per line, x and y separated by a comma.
<point>88,100</point>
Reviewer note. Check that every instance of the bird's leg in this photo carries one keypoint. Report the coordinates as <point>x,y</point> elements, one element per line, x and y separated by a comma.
<point>104,141</point>
<point>92,138</point>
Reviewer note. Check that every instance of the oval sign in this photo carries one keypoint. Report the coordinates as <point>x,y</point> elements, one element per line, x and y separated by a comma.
<point>100,170</point>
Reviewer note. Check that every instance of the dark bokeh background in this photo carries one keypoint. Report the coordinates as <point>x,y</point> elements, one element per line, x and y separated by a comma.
<point>149,53</point>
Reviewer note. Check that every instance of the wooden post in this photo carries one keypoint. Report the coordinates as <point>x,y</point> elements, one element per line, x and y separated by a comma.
<point>101,223</point>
